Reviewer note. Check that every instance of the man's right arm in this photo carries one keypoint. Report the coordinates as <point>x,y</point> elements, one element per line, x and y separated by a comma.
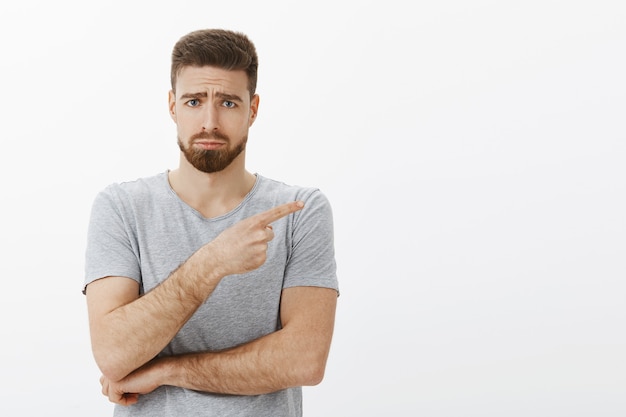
<point>127,331</point>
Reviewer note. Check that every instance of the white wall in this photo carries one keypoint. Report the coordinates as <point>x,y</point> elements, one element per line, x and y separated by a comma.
<point>474,153</point>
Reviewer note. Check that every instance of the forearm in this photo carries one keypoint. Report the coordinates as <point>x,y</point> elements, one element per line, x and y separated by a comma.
<point>271,363</point>
<point>239,371</point>
<point>130,335</point>
<point>293,356</point>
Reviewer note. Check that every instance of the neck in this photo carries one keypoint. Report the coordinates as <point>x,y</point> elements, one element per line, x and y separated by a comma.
<point>212,194</point>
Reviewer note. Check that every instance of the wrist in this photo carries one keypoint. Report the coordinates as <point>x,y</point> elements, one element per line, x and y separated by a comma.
<point>199,275</point>
<point>164,370</point>
<point>212,262</point>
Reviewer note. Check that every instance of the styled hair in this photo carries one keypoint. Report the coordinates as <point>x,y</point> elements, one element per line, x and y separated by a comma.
<point>220,48</point>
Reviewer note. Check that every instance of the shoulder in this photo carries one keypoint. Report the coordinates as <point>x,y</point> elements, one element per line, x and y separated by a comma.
<point>317,211</point>
<point>271,188</point>
<point>135,189</point>
<point>124,196</point>
<point>138,186</point>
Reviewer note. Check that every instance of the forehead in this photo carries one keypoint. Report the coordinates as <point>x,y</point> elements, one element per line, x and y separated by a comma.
<point>197,79</point>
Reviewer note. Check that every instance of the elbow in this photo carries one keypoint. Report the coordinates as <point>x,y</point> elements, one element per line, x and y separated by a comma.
<point>311,372</point>
<point>111,373</point>
<point>315,376</point>
<point>109,367</point>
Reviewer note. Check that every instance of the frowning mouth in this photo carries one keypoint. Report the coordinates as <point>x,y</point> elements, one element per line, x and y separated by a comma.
<point>209,143</point>
<point>209,140</point>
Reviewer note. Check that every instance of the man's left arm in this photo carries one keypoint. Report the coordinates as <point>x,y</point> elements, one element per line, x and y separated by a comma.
<point>293,356</point>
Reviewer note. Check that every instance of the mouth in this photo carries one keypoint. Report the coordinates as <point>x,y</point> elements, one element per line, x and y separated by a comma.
<point>209,144</point>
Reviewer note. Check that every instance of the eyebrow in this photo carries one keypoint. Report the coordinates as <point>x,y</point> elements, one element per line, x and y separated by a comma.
<point>193,95</point>
<point>223,96</point>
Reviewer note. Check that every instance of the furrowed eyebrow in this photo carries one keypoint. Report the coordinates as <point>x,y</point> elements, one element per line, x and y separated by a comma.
<point>229,97</point>
<point>221,96</point>
<point>193,96</point>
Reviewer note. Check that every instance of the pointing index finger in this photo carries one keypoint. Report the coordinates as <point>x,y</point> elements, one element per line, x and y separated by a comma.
<point>278,212</point>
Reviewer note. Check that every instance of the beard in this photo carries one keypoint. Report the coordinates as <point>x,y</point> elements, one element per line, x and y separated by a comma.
<point>211,160</point>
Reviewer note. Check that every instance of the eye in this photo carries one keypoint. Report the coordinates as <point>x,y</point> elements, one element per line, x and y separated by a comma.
<point>229,104</point>
<point>193,102</point>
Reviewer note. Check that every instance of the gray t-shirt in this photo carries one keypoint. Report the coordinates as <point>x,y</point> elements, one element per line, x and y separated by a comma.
<point>142,230</point>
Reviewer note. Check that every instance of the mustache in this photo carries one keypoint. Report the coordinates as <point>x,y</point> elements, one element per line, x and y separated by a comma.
<point>210,135</point>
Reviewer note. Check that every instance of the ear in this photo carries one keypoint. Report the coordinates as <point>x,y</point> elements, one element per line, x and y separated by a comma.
<point>171,99</point>
<point>254,109</point>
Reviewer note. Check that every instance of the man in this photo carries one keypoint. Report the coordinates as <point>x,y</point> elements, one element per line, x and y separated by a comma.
<point>211,291</point>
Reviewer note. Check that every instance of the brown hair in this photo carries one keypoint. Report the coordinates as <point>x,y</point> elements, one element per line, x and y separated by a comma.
<point>218,48</point>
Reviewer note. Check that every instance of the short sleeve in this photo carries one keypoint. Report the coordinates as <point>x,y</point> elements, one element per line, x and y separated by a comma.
<point>312,258</point>
<point>111,246</point>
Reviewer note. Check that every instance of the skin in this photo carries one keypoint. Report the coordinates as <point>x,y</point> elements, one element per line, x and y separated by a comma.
<point>128,331</point>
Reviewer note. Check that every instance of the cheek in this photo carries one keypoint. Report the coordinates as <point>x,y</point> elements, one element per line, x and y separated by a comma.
<point>185,120</point>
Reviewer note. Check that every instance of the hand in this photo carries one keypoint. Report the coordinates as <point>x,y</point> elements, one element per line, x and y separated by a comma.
<point>126,391</point>
<point>243,246</point>
<point>115,394</point>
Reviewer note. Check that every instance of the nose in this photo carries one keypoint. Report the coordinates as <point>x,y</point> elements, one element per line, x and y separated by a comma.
<point>210,120</point>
